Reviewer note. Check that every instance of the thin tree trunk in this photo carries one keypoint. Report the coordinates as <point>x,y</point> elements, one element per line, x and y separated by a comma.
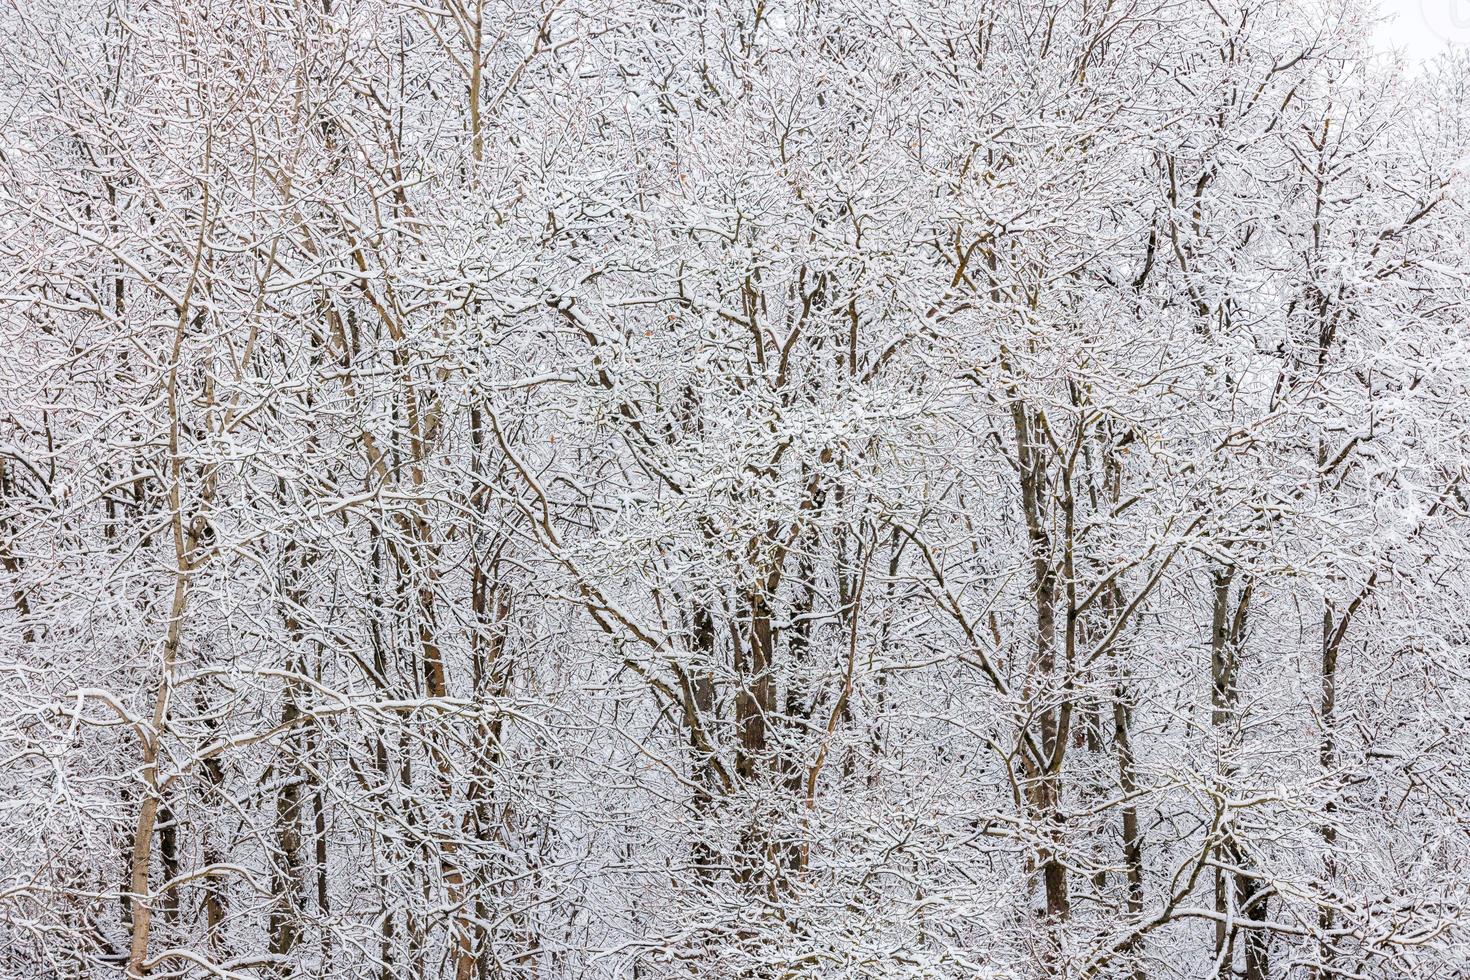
<point>185,546</point>
<point>1227,636</point>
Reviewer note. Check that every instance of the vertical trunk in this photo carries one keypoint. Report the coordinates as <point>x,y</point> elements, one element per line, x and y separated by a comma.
<point>214,894</point>
<point>1227,636</point>
<point>702,694</point>
<point>381,671</point>
<point>288,869</point>
<point>1044,774</point>
<point>1331,640</point>
<point>168,859</point>
<point>286,873</point>
<point>755,700</point>
<point>287,863</point>
<point>319,845</point>
<point>885,631</point>
<point>141,855</point>
<point>185,547</point>
<point>491,675</point>
<point>1105,494</point>
<point>1252,901</point>
<point>407,634</point>
<point>797,714</point>
<point>10,561</point>
<point>755,709</point>
<point>436,685</point>
<point>1128,783</point>
<point>1222,688</point>
<point>477,63</point>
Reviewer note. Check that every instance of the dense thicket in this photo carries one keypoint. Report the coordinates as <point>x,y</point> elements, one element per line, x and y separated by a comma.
<point>580,488</point>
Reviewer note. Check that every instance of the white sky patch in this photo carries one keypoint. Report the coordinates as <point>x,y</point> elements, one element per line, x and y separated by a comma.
<point>1424,28</point>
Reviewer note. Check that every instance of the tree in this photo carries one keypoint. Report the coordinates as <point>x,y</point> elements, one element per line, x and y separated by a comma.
<point>555,488</point>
